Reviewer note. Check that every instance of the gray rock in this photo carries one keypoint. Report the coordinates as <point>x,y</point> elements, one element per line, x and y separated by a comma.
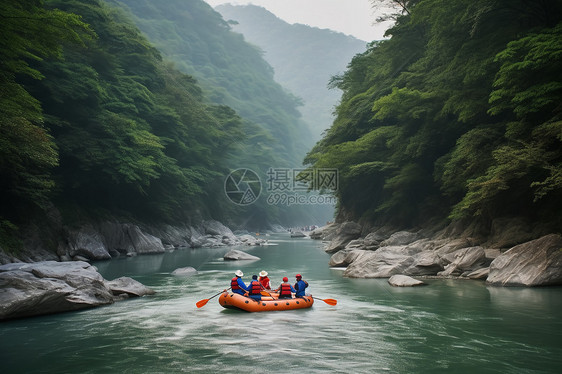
<point>129,286</point>
<point>425,263</point>
<point>464,260</point>
<point>298,234</point>
<point>127,238</point>
<point>212,227</point>
<point>324,232</point>
<point>345,233</point>
<point>30,289</point>
<point>477,274</point>
<point>449,246</point>
<point>88,243</point>
<point>247,238</point>
<point>144,243</point>
<point>400,238</point>
<point>174,236</point>
<point>197,239</point>
<point>534,263</point>
<point>235,255</point>
<point>383,263</point>
<point>187,271</point>
<point>344,257</point>
<point>355,244</point>
<point>404,281</point>
<point>50,287</point>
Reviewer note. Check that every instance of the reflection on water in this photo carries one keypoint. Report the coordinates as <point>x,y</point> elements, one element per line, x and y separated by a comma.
<point>446,327</point>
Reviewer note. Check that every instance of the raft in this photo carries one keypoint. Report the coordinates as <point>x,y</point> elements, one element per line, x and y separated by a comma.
<point>267,304</point>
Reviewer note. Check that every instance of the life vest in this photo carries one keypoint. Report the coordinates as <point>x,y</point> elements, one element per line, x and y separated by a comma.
<point>234,284</point>
<point>264,282</point>
<point>255,288</point>
<point>285,289</point>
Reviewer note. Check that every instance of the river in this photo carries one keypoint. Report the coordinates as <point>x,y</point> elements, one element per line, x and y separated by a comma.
<point>448,326</point>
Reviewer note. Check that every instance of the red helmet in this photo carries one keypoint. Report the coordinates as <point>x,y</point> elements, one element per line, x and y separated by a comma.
<point>298,276</point>
<point>285,279</point>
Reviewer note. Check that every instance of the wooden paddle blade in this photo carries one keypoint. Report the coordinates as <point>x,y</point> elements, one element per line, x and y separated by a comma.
<point>330,301</point>
<point>201,303</point>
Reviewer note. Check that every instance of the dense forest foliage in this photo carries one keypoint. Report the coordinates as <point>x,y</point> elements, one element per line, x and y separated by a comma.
<point>304,58</point>
<point>128,131</point>
<point>457,115</point>
<point>92,119</point>
<point>231,71</point>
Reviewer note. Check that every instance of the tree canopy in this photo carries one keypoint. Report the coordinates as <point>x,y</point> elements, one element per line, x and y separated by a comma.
<point>456,115</point>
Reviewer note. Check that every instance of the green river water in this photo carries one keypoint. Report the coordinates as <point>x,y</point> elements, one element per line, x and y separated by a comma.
<point>449,326</point>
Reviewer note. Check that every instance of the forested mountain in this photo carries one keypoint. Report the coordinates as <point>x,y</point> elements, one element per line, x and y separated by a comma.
<point>457,115</point>
<point>94,120</point>
<point>304,58</point>
<point>128,132</point>
<point>232,72</point>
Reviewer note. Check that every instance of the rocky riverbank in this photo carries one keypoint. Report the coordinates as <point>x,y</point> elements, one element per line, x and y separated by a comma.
<point>31,289</point>
<point>107,240</point>
<point>37,280</point>
<point>382,253</point>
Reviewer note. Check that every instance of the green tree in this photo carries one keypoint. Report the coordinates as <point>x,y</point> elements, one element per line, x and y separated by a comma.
<point>30,33</point>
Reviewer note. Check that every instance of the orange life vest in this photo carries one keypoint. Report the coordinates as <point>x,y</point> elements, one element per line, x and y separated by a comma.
<point>285,289</point>
<point>255,288</point>
<point>234,284</point>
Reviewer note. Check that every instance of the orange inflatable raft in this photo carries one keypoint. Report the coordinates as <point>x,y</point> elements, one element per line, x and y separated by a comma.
<point>266,304</point>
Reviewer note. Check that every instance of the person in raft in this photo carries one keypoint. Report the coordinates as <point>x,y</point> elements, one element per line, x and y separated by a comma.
<point>300,286</point>
<point>237,284</point>
<point>264,280</point>
<point>285,289</point>
<point>254,288</point>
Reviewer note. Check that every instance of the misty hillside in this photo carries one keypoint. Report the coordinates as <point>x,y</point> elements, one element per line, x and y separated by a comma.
<point>304,58</point>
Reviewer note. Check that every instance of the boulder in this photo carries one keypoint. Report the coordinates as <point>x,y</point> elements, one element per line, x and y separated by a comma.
<point>425,263</point>
<point>400,238</point>
<point>383,263</point>
<point>344,257</point>
<point>235,255</point>
<point>129,286</point>
<point>464,260</point>
<point>297,234</point>
<point>88,243</point>
<point>446,246</point>
<point>404,281</point>
<point>478,274</point>
<point>534,263</point>
<point>213,227</point>
<point>50,287</point>
<point>345,233</point>
<point>30,289</point>
<point>142,242</point>
<point>127,238</point>
<point>187,271</point>
<point>173,236</point>
<point>324,232</point>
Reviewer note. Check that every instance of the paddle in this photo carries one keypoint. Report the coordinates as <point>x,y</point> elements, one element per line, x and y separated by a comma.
<point>328,301</point>
<point>201,303</point>
<point>265,290</point>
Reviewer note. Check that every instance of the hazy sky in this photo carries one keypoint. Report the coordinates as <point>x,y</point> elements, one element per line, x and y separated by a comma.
<point>352,17</point>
